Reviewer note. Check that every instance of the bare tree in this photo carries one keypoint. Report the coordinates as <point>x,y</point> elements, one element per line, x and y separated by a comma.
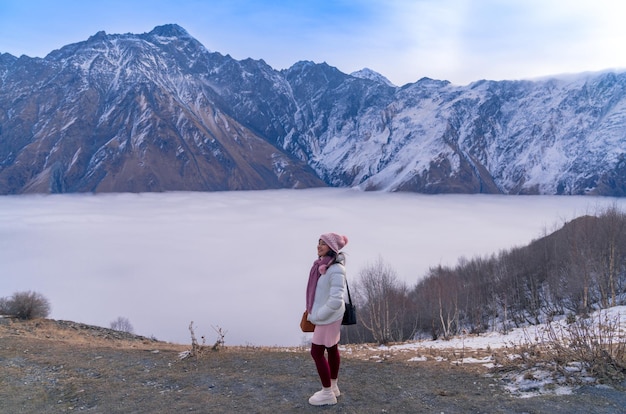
<point>611,229</point>
<point>577,267</point>
<point>383,302</point>
<point>477,298</point>
<point>4,306</point>
<point>26,305</point>
<point>122,324</point>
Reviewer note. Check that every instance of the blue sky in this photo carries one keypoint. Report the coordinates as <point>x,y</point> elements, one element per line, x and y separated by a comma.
<point>456,40</point>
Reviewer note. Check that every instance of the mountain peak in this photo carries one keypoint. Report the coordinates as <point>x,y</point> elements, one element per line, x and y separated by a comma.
<point>169,30</point>
<point>367,73</point>
<point>100,35</point>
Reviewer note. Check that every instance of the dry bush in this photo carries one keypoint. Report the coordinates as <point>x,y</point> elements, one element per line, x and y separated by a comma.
<point>596,346</point>
<point>4,309</point>
<point>197,349</point>
<point>599,345</point>
<point>123,325</point>
<point>221,333</point>
<point>25,305</point>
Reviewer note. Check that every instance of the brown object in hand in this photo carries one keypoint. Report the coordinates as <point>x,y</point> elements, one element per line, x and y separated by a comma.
<point>305,324</point>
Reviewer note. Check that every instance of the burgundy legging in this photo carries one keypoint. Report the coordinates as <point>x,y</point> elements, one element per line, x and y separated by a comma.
<point>327,369</point>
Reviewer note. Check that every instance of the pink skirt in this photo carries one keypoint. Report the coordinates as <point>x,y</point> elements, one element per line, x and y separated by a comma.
<point>327,335</point>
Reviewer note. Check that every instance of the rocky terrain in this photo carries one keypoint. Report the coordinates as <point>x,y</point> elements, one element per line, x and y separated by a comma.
<point>60,367</point>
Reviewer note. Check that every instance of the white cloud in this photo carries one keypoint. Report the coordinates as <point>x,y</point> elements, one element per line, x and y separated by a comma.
<point>240,260</point>
<point>464,41</point>
<point>405,40</point>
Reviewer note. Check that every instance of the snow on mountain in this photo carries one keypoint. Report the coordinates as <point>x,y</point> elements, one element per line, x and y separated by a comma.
<point>135,113</point>
<point>543,137</point>
<point>157,111</point>
<point>367,73</point>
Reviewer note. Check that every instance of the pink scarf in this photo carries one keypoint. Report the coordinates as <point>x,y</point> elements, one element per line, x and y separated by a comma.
<point>318,269</point>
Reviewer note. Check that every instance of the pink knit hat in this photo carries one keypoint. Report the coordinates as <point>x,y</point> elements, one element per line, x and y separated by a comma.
<point>335,241</point>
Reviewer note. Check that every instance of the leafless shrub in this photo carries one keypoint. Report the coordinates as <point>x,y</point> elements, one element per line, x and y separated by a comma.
<point>122,324</point>
<point>25,305</point>
<point>597,347</point>
<point>4,307</point>
<point>220,338</point>
<point>197,349</point>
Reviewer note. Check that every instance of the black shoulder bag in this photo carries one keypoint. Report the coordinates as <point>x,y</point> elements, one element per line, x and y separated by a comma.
<point>349,316</point>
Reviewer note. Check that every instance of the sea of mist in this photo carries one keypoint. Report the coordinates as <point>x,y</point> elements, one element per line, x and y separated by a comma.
<point>239,261</point>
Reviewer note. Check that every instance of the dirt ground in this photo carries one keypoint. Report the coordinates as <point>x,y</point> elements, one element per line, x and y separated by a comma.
<point>59,367</point>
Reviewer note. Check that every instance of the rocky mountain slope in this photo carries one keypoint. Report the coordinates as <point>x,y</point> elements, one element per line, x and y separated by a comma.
<point>157,112</point>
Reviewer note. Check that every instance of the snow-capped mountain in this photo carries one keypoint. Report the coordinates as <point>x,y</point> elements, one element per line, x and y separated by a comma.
<point>157,111</point>
<point>137,113</point>
<point>367,73</point>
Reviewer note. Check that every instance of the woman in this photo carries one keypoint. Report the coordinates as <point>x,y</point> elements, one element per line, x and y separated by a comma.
<point>325,306</point>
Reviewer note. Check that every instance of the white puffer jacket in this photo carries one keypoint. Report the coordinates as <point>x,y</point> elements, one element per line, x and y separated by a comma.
<point>329,305</point>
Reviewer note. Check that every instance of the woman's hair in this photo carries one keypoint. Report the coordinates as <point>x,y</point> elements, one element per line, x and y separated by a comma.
<point>332,254</point>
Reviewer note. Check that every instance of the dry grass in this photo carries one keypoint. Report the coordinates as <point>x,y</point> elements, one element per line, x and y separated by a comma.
<point>583,351</point>
<point>62,367</point>
<point>78,334</point>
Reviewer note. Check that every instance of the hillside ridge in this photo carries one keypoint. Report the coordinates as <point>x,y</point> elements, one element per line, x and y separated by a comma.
<point>157,112</point>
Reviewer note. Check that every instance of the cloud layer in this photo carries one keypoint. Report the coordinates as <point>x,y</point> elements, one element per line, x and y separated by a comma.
<point>240,260</point>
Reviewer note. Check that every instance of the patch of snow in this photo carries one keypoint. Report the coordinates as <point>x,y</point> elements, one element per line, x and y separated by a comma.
<point>366,73</point>
<point>533,382</point>
<point>69,123</point>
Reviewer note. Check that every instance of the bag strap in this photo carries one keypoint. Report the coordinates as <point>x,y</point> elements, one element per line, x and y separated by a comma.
<point>348,287</point>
